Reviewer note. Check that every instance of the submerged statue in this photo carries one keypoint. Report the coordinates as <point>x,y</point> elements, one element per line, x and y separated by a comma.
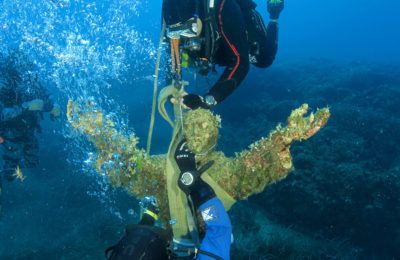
<point>233,178</point>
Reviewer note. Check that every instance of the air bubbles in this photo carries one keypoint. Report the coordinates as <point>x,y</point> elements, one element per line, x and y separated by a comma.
<point>118,215</point>
<point>84,42</point>
<point>89,159</point>
<point>88,162</point>
<point>82,39</point>
<point>132,212</point>
<point>81,48</point>
<point>109,164</point>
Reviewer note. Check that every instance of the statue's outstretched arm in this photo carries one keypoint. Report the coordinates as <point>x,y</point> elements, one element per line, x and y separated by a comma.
<point>117,155</point>
<point>269,159</point>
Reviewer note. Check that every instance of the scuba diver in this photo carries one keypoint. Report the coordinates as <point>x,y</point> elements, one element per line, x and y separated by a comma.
<point>145,241</point>
<point>231,34</point>
<point>23,99</point>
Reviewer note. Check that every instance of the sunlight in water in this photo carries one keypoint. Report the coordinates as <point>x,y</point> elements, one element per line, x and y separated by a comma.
<point>79,47</point>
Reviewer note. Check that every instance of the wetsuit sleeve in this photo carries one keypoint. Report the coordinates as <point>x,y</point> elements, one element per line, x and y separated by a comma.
<point>265,39</point>
<point>218,230</point>
<point>271,44</point>
<point>233,50</point>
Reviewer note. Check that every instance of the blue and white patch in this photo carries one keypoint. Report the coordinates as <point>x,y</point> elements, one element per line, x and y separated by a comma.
<point>209,214</point>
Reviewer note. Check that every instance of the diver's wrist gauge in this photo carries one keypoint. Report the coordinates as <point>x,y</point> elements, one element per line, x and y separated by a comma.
<point>210,100</point>
<point>187,178</point>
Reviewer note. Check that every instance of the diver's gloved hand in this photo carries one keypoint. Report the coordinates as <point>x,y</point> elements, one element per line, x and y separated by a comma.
<point>195,101</point>
<point>189,180</point>
<point>34,105</point>
<point>55,112</point>
<point>275,7</point>
<point>184,157</point>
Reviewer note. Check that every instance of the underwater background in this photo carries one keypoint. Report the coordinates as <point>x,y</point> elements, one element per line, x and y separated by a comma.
<point>341,202</point>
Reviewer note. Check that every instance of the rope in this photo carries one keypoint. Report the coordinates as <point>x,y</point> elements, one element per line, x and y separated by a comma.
<point>153,106</point>
<point>175,57</point>
<point>181,116</point>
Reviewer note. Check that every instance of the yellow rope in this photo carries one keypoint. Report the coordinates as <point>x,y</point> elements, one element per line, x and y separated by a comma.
<point>153,107</point>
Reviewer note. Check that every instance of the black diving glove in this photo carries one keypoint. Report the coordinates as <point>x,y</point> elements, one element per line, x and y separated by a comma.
<point>189,180</point>
<point>275,8</point>
<point>195,101</point>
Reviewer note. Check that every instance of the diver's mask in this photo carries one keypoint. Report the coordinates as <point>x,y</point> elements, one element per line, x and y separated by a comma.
<point>189,29</point>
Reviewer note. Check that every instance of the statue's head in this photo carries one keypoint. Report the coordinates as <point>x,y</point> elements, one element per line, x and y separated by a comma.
<point>201,128</point>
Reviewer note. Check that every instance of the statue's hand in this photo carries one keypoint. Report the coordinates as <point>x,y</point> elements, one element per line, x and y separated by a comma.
<point>301,127</point>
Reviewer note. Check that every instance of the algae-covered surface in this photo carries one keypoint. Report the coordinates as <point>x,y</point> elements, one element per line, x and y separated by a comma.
<point>305,188</point>
<point>125,165</point>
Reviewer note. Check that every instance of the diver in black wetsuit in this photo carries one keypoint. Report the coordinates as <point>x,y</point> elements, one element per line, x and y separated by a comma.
<point>228,33</point>
<point>143,240</point>
<point>22,102</point>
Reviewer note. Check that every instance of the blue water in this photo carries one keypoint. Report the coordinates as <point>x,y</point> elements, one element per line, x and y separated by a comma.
<point>342,201</point>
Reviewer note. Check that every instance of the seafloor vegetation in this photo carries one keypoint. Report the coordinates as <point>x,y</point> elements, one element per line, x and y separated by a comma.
<point>341,202</point>
<point>346,186</point>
